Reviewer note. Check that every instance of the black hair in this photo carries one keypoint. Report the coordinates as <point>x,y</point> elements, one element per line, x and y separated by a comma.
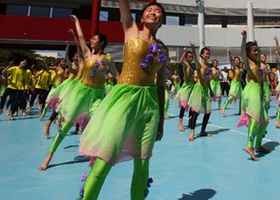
<point>103,38</point>
<point>204,49</point>
<point>249,46</point>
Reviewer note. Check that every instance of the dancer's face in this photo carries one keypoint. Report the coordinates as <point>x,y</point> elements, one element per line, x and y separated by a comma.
<point>95,42</point>
<point>189,57</point>
<point>236,61</point>
<point>253,54</point>
<point>262,58</point>
<point>205,55</point>
<point>62,63</point>
<point>152,15</point>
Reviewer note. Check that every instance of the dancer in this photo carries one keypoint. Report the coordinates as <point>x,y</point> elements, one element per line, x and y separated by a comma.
<point>15,86</point>
<point>235,85</point>
<point>176,82</point>
<point>41,87</point>
<point>253,113</point>
<point>138,101</point>
<point>265,69</point>
<point>277,90</point>
<point>6,92</point>
<point>186,89</point>
<point>88,92</point>
<point>199,100</point>
<point>75,73</point>
<point>215,83</point>
<point>59,78</point>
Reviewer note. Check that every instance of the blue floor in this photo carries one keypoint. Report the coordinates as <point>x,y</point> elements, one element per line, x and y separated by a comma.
<point>214,167</point>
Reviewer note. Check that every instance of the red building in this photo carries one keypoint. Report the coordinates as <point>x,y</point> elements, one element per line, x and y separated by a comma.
<point>44,24</point>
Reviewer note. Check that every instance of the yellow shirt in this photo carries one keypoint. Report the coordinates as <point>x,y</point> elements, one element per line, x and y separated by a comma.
<point>52,76</point>
<point>43,80</point>
<point>27,76</point>
<point>16,80</point>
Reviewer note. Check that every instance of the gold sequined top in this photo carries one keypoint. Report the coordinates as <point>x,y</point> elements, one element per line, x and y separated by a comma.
<point>237,74</point>
<point>205,76</point>
<point>216,74</point>
<point>59,75</point>
<point>94,72</point>
<point>189,74</point>
<point>256,73</point>
<point>132,72</point>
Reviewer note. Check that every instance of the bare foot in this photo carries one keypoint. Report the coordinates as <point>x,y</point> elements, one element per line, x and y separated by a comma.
<point>78,132</point>
<point>45,163</point>
<point>262,150</point>
<point>223,111</point>
<point>47,130</point>
<point>250,151</point>
<point>181,127</point>
<point>204,133</point>
<point>165,117</point>
<point>191,135</point>
<point>41,117</point>
<point>277,124</point>
<point>58,123</point>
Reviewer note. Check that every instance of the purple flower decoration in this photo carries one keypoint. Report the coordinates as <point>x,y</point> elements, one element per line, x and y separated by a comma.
<point>161,58</point>
<point>96,64</point>
<point>146,192</point>
<point>94,69</point>
<point>153,48</point>
<point>84,176</point>
<point>208,73</point>
<point>150,180</point>
<point>81,190</point>
<point>102,62</point>
<point>159,47</point>
<point>107,68</point>
<point>150,57</point>
<point>144,63</point>
<point>101,70</point>
<point>91,76</point>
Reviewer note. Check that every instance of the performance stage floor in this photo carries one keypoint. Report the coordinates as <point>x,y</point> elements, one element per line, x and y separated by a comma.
<point>214,167</point>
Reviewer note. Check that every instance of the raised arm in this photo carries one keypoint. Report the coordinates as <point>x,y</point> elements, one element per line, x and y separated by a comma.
<point>68,61</point>
<point>277,43</point>
<point>85,50</point>
<point>129,25</point>
<point>79,50</point>
<point>277,59</point>
<point>183,55</point>
<point>196,62</point>
<point>243,50</point>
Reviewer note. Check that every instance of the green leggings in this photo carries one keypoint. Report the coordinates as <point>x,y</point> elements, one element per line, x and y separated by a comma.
<point>278,114</point>
<point>253,132</point>
<point>230,98</point>
<point>60,136</point>
<point>100,170</point>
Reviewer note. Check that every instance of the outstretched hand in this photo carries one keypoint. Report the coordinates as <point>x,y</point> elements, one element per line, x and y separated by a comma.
<point>243,32</point>
<point>74,18</point>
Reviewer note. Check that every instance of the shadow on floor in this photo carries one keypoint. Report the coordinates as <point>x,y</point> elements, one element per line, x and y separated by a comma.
<point>202,194</point>
<point>77,159</point>
<point>270,146</point>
